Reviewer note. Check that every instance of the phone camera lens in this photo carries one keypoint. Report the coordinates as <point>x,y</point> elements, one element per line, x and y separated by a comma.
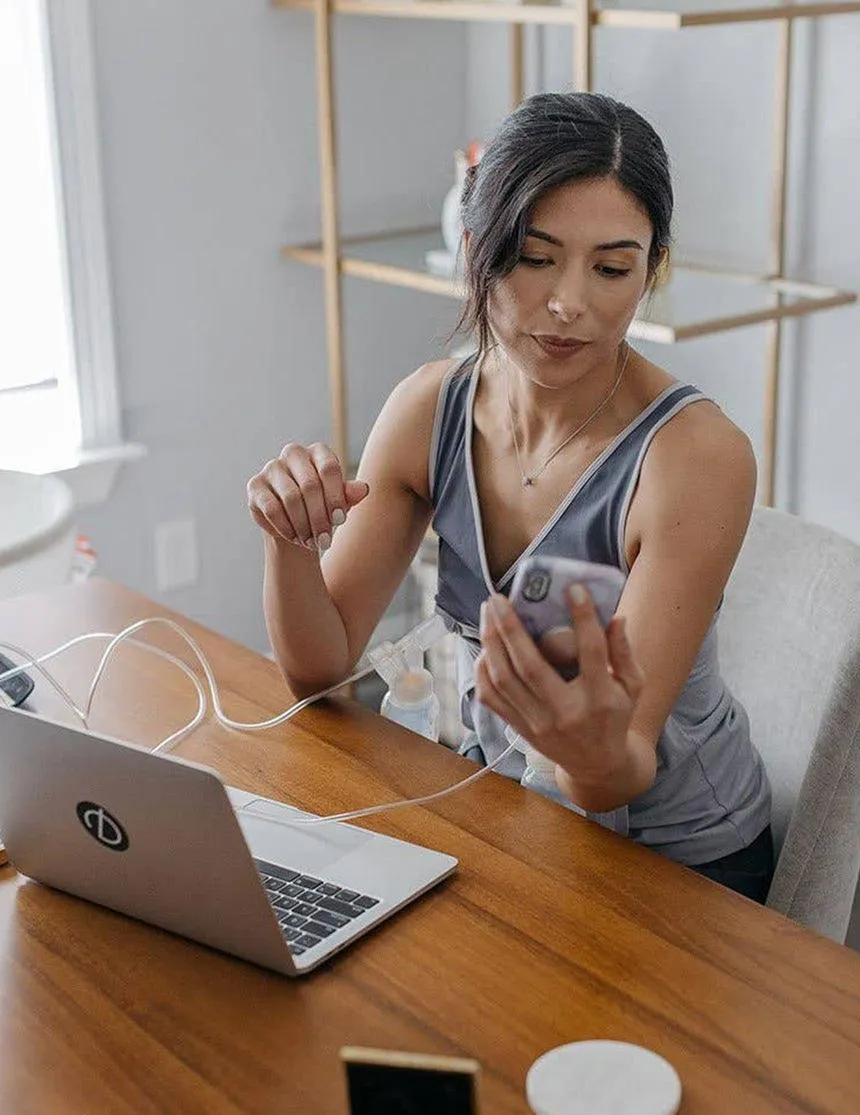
<point>537,586</point>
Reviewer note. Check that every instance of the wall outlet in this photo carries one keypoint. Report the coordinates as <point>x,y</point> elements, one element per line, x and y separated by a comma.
<point>175,554</point>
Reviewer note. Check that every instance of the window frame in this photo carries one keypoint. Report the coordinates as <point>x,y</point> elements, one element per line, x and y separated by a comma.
<point>91,469</point>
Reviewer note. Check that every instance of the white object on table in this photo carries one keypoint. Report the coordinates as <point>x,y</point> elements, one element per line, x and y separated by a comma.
<point>37,532</point>
<point>602,1078</point>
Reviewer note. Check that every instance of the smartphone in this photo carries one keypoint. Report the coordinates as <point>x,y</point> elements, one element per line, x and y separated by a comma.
<point>15,690</point>
<point>538,594</point>
<point>381,1081</point>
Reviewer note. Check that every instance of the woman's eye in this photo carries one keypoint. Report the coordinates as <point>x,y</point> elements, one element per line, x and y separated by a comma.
<point>612,272</point>
<point>535,261</point>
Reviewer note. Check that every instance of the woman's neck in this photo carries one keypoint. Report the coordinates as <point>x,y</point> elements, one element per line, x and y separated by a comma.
<point>547,414</point>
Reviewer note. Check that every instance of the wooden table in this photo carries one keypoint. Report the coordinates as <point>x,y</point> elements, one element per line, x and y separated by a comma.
<point>552,930</point>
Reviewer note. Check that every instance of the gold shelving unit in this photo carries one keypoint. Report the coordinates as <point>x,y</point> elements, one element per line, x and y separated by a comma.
<point>666,17</point>
<point>697,300</point>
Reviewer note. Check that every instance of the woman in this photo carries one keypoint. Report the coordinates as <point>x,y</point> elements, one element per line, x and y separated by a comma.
<point>555,438</point>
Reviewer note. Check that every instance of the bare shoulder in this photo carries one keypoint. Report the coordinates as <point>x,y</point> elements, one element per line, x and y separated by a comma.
<point>701,450</point>
<point>698,449</point>
<point>420,390</point>
<point>698,481</point>
<point>399,445</point>
<point>411,406</point>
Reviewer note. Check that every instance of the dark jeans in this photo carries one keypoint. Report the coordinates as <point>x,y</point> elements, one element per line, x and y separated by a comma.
<point>748,871</point>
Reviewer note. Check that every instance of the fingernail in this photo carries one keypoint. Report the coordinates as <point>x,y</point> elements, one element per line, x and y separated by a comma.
<point>497,603</point>
<point>337,517</point>
<point>323,542</point>
<point>577,594</point>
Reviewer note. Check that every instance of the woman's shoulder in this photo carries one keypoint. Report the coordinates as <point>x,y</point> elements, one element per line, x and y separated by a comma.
<point>413,401</point>
<point>700,453</point>
<point>696,486</point>
<point>703,432</point>
<point>424,384</point>
<point>696,433</point>
<point>407,420</point>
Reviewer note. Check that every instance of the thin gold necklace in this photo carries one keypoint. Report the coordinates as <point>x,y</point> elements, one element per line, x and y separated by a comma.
<point>529,478</point>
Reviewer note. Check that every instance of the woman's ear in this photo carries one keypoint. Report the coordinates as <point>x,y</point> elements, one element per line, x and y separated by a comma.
<point>662,270</point>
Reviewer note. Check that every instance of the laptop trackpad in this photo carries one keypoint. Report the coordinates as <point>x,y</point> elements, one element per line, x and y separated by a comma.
<point>270,835</point>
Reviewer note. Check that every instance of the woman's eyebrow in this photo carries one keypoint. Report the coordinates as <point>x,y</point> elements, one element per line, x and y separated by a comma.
<point>619,244</point>
<point>538,234</point>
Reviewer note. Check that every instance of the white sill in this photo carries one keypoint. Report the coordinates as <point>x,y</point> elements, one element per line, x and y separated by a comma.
<point>90,473</point>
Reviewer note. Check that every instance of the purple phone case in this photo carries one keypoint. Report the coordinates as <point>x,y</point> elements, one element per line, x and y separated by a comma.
<point>538,591</point>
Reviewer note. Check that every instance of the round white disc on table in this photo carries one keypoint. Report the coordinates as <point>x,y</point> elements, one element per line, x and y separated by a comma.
<point>602,1078</point>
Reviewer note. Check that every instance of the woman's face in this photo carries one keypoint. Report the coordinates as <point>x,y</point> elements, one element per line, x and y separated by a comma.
<point>566,306</point>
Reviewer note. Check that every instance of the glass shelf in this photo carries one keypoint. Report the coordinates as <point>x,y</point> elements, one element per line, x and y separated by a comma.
<point>659,14</point>
<point>694,303</point>
<point>671,14</point>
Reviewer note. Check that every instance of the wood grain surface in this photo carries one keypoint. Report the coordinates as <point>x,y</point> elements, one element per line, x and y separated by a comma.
<point>552,930</point>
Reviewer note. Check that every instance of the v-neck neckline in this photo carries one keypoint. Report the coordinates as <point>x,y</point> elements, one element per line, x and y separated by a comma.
<point>566,501</point>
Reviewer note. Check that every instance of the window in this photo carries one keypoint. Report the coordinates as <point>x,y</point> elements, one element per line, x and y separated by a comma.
<point>58,401</point>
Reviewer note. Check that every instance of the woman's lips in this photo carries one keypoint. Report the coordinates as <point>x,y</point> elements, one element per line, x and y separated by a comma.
<point>560,348</point>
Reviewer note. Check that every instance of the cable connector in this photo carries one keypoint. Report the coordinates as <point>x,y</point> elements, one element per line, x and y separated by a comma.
<point>390,660</point>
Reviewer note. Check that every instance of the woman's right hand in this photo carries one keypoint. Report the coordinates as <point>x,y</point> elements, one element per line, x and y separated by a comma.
<point>301,496</point>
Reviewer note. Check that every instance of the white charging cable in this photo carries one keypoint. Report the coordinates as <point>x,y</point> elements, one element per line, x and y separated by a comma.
<point>114,641</point>
<point>379,654</point>
<point>371,809</point>
<point>84,713</point>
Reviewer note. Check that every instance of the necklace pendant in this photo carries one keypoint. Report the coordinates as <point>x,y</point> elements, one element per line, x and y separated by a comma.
<point>528,481</point>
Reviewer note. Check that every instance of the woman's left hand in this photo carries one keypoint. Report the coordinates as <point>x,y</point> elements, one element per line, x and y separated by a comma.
<point>582,724</point>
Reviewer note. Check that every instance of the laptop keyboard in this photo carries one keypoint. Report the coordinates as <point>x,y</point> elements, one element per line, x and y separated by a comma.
<point>309,909</point>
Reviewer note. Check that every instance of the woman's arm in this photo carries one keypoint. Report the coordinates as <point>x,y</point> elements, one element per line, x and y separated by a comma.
<point>321,610</point>
<point>685,528</point>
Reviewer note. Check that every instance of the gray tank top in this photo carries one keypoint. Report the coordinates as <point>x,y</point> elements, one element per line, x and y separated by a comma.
<point>711,796</point>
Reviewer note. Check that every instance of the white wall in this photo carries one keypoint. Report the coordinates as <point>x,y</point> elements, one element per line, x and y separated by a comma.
<point>209,144</point>
<point>208,125</point>
<point>709,92</point>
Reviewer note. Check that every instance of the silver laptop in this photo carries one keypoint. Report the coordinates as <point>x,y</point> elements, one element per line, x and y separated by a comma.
<point>164,840</point>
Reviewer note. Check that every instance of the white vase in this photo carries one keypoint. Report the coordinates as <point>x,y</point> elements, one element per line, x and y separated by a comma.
<point>452,222</point>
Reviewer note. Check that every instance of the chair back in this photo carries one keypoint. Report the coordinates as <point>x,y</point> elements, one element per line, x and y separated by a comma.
<point>789,645</point>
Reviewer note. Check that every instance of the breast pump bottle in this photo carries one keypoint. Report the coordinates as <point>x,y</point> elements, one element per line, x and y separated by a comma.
<point>410,700</point>
<point>540,775</point>
<point>540,772</point>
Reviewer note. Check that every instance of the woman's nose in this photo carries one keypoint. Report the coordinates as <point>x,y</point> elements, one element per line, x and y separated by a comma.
<point>568,302</point>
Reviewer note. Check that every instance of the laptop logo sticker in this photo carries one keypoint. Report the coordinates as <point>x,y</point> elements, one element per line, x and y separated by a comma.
<point>102,826</point>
